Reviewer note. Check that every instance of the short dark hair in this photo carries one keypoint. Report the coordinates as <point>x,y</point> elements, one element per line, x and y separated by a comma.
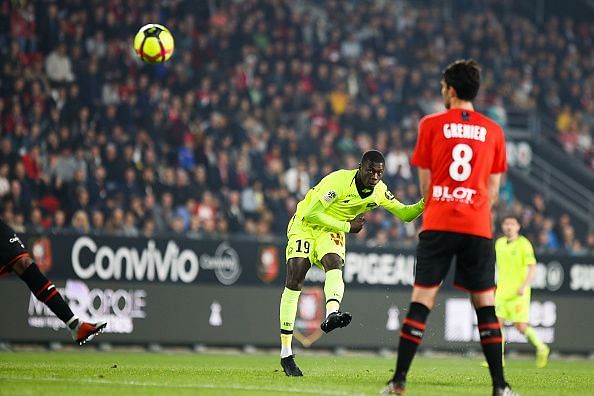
<point>510,216</point>
<point>465,76</point>
<point>373,156</point>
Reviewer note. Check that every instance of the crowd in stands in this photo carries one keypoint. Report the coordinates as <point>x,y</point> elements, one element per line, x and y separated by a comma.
<point>260,100</point>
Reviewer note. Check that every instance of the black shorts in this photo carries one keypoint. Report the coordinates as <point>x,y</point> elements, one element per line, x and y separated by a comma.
<point>475,260</point>
<point>11,248</point>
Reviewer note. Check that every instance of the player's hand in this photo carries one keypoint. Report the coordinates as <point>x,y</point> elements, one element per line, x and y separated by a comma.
<point>521,291</point>
<point>422,203</point>
<point>357,224</point>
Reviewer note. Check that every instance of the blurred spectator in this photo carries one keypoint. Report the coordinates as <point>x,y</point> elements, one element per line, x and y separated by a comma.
<point>80,222</point>
<point>59,221</point>
<point>58,66</point>
<point>115,225</point>
<point>97,221</point>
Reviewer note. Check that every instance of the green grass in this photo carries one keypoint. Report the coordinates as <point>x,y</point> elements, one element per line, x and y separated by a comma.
<point>120,373</point>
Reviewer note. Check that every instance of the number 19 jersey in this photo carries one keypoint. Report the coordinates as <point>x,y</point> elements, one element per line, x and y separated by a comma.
<point>461,148</point>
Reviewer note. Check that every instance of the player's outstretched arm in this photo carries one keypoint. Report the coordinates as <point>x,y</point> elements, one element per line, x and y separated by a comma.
<point>314,214</point>
<point>404,212</point>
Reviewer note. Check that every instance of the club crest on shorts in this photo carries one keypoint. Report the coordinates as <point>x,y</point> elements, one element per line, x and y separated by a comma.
<point>310,313</point>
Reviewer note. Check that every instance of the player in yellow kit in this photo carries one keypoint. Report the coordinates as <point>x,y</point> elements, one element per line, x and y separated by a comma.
<point>316,235</point>
<point>515,270</point>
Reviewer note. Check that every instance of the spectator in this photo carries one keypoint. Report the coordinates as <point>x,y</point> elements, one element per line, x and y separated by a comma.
<point>115,225</point>
<point>80,222</point>
<point>4,181</point>
<point>149,228</point>
<point>58,66</point>
<point>129,228</point>
<point>97,221</point>
<point>59,221</point>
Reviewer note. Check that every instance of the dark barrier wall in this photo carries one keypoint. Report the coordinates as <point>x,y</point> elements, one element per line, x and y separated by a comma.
<point>226,292</point>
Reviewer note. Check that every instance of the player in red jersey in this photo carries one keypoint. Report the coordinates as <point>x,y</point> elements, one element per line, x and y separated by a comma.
<point>460,155</point>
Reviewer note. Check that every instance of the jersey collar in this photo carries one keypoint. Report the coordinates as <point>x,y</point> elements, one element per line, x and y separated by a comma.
<point>363,191</point>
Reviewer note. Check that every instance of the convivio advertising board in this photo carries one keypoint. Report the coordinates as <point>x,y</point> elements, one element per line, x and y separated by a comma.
<point>226,292</point>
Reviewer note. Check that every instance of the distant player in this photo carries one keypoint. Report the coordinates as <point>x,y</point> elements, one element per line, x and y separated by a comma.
<point>516,267</point>
<point>14,257</point>
<point>316,235</point>
<point>460,154</point>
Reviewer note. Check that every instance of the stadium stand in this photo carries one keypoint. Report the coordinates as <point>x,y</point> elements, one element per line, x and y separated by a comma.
<point>260,101</point>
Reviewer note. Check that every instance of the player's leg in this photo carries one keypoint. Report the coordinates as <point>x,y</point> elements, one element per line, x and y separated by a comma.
<point>334,290</point>
<point>299,247</point>
<point>297,268</point>
<point>502,312</point>
<point>521,319</point>
<point>475,272</point>
<point>45,291</point>
<point>434,255</point>
<point>490,336</point>
<point>411,335</point>
<point>329,254</point>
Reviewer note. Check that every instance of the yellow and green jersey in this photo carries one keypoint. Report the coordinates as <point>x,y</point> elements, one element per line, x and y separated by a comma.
<point>340,200</point>
<point>513,259</point>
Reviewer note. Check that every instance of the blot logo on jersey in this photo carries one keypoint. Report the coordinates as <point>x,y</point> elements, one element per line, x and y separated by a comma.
<point>310,313</point>
<point>389,195</point>
<point>458,194</point>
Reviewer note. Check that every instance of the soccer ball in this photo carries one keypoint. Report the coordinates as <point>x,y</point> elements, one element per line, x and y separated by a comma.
<point>153,43</point>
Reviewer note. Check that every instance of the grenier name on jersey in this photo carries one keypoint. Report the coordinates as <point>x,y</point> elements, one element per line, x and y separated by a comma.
<point>464,131</point>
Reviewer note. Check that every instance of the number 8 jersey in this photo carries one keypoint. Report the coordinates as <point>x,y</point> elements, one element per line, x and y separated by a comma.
<point>461,148</point>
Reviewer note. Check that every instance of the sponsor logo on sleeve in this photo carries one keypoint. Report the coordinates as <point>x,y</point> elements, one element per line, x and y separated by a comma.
<point>330,196</point>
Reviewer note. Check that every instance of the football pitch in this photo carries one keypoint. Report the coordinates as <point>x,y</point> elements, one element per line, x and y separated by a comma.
<point>141,373</point>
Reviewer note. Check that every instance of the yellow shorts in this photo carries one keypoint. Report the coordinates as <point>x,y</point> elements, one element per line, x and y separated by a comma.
<point>314,243</point>
<point>515,308</point>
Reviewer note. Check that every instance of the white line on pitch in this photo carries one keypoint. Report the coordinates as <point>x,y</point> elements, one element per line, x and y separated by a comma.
<point>294,390</point>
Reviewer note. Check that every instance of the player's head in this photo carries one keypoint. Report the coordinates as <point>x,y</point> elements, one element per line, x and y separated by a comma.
<point>461,80</point>
<point>371,168</point>
<point>510,225</point>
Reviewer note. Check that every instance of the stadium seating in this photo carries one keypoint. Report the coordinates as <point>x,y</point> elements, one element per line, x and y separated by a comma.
<point>260,100</point>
